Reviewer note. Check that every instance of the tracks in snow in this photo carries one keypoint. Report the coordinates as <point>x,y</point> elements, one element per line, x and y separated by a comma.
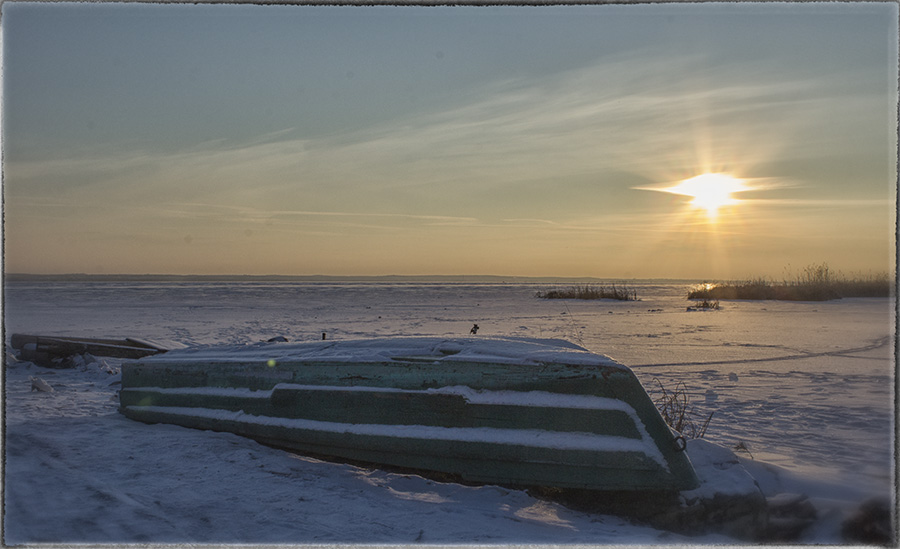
<point>876,344</point>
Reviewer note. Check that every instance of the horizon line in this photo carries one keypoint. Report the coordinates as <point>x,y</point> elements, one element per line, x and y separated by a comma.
<point>16,277</point>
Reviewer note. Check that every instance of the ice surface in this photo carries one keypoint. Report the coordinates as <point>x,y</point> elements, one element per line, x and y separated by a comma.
<point>806,387</point>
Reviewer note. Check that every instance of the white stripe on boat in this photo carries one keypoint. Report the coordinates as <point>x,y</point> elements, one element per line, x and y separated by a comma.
<point>520,437</point>
<point>531,399</point>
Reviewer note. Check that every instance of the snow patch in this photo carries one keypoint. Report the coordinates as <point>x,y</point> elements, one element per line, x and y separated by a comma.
<point>719,471</point>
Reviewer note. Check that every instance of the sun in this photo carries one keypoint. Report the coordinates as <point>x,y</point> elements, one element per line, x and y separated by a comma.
<point>710,191</point>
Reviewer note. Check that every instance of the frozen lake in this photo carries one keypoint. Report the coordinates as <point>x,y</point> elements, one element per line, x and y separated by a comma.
<point>805,386</point>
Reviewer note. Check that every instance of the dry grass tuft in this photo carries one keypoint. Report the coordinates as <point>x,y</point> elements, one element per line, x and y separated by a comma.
<point>677,411</point>
<point>814,283</point>
<point>591,291</point>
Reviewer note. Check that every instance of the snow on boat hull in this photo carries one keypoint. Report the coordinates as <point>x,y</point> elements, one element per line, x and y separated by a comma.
<point>495,410</point>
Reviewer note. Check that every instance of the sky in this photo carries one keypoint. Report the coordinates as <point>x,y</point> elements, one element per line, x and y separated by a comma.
<point>463,140</point>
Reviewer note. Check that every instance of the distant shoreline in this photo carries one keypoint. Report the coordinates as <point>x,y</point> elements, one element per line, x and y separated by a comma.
<point>446,279</point>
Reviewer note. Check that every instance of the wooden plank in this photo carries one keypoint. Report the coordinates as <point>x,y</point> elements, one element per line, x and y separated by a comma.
<point>158,344</point>
<point>68,347</point>
<point>46,349</point>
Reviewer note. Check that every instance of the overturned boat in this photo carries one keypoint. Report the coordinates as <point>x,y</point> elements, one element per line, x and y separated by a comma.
<point>509,411</point>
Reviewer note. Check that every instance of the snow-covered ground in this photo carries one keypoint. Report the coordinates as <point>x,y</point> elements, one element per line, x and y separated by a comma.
<point>806,388</point>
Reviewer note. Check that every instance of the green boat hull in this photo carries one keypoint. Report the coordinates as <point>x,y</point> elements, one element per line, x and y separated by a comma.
<point>533,422</point>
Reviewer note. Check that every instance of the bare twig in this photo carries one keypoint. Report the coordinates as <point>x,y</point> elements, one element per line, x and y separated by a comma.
<point>677,411</point>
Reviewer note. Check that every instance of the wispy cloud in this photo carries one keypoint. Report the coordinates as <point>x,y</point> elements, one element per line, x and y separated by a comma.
<point>822,202</point>
<point>244,212</point>
<point>501,167</point>
<point>627,113</point>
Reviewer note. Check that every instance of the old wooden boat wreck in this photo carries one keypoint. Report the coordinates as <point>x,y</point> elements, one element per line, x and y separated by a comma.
<point>50,351</point>
<point>507,411</point>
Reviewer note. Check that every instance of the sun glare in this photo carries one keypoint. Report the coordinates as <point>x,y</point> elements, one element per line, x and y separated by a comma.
<point>710,191</point>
